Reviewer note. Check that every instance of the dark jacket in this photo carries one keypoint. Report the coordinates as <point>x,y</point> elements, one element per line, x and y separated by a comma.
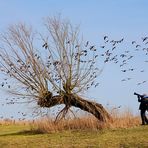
<point>143,103</point>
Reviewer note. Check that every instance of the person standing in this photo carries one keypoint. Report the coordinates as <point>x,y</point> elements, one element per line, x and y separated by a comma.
<point>143,107</point>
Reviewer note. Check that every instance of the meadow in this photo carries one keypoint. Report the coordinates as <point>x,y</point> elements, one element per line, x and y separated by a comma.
<point>123,132</point>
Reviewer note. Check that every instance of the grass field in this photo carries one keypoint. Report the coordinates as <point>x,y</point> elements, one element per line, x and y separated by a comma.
<point>21,136</point>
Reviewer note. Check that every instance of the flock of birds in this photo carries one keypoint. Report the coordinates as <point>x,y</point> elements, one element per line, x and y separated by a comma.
<point>124,58</point>
<point>108,53</point>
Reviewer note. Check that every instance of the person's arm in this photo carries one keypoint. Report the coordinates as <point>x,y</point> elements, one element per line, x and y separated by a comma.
<point>138,96</point>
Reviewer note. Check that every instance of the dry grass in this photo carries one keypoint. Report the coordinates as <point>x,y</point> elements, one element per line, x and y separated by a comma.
<point>124,120</point>
<point>88,122</point>
<point>84,123</point>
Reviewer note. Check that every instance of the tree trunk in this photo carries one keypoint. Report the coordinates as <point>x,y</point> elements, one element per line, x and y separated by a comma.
<point>92,107</point>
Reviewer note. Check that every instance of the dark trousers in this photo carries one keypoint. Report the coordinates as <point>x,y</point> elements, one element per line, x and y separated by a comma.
<point>143,117</point>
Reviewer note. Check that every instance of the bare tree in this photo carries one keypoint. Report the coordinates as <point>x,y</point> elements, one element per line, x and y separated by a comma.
<point>51,69</point>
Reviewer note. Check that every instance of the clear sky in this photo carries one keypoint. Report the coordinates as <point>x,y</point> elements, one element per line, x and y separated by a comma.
<point>115,18</point>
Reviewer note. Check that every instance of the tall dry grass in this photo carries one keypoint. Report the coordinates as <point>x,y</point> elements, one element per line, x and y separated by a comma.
<point>124,119</point>
<point>83,123</point>
<point>120,120</point>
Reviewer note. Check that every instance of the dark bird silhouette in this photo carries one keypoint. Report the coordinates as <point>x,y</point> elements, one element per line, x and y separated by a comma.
<point>144,39</point>
<point>122,55</point>
<point>144,82</point>
<point>123,80</point>
<point>131,69</point>
<point>67,42</point>
<point>130,57</point>
<point>120,40</point>
<point>91,47</point>
<point>96,84</point>
<point>137,46</point>
<point>133,42</point>
<point>113,47</point>
<point>129,78</point>
<point>45,45</point>
<point>102,46</point>
<point>2,84</point>
<point>123,70</point>
<point>121,65</point>
<point>106,60</point>
<point>106,41</point>
<point>119,106</point>
<point>105,37</point>
<point>116,61</point>
<point>96,56</point>
<point>86,43</point>
<point>18,61</point>
<point>138,83</point>
<point>77,46</point>
<point>112,41</point>
<point>127,51</point>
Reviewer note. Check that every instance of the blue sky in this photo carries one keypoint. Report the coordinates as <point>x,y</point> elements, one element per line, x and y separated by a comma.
<point>115,18</point>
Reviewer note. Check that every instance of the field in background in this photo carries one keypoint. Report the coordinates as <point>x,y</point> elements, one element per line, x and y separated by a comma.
<point>124,131</point>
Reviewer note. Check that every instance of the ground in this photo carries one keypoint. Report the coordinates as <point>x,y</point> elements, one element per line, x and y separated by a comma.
<point>13,136</point>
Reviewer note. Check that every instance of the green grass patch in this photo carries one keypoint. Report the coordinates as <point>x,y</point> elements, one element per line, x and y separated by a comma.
<point>13,136</point>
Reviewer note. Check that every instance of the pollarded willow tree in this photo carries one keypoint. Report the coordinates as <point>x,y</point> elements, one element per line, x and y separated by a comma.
<point>51,69</point>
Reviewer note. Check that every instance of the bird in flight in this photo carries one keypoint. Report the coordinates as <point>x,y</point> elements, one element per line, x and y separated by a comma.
<point>144,39</point>
<point>45,45</point>
<point>105,37</point>
<point>137,46</point>
<point>133,42</point>
<point>86,43</point>
<point>102,46</point>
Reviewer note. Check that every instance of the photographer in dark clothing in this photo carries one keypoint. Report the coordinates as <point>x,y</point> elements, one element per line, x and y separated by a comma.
<point>143,99</point>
